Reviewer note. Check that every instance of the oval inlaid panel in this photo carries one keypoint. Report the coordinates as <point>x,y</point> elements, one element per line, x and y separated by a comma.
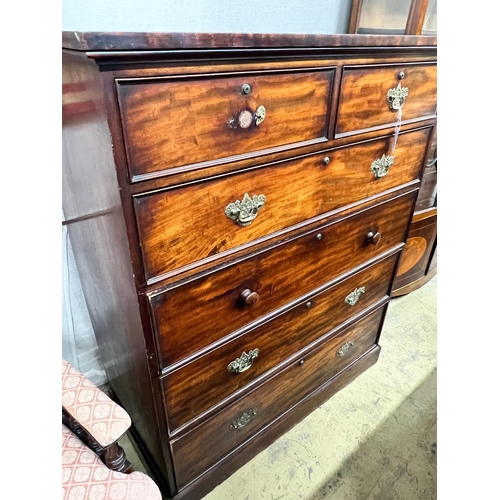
<point>413,252</point>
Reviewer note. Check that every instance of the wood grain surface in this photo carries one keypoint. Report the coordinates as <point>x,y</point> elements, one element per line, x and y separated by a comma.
<point>295,191</point>
<point>192,316</point>
<point>159,139</point>
<point>212,440</point>
<point>177,123</point>
<point>418,249</point>
<point>363,101</point>
<point>135,41</point>
<point>206,381</point>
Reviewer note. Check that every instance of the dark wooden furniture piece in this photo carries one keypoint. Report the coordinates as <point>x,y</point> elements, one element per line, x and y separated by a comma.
<point>418,264</point>
<point>403,16</point>
<point>238,205</point>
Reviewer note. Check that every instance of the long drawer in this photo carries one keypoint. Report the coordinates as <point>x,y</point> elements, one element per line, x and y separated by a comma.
<point>199,385</point>
<point>371,96</point>
<point>229,212</point>
<point>183,123</point>
<point>195,314</point>
<point>215,438</point>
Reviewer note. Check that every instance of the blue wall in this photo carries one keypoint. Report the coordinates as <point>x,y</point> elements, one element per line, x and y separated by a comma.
<point>209,16</point>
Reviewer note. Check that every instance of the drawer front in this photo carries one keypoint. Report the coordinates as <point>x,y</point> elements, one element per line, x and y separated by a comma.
<point>193,315</point>
<point>364,103</point>
<point>215,438</point>
<point>312,188</point>
<point>275,341</point>
<point>197,122</point>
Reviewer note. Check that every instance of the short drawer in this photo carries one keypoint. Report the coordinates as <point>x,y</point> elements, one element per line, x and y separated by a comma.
<point>370,96</point>
<point>227,213</point>
<point>185,123</point>
<point>193,315</point>
<point>199,385</point>
<point>206,444</point>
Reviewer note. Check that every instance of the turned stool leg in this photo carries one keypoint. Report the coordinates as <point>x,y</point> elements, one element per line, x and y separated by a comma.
<point>77,429</point>
<point>95,446</point>
<point>115,459</point>
<point>113,456</point>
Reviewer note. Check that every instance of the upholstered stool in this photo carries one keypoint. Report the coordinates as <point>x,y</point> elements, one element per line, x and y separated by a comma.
<point>94,467</point>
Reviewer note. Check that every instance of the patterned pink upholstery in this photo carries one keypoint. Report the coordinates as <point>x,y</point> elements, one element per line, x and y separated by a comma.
<point>85,477</point>
<point>101,417</point>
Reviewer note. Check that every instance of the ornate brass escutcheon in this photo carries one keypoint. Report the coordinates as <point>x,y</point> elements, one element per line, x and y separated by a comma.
<point>260,114</point>
<point>244,212</point>
<point>240,422</point>
<point>380,167</point>
<point>397,97</point>
<point>244,118</point>
<point>353,297</point>
<point>244,362</point>
<point>343,350</point>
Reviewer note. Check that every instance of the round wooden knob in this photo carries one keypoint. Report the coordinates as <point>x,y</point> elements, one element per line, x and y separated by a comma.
<point>249,298</point>
<point>373,238</point>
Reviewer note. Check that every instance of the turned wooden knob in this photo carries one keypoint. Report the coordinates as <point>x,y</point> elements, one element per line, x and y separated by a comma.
<point>373,238</point>
<point>249,298</point>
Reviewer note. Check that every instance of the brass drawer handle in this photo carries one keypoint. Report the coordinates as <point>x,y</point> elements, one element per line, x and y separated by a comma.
<point>343,350</point>
<point>245,118</point>
<point>380,167</point>
<point>397,97</point>
<point>354,296</point>
<point>244,362</point>
<point>240,422</point>
<point>260,114</point>
<point>244,212</point>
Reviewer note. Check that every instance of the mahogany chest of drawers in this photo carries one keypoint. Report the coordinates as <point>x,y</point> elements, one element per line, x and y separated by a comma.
<point>237,205</point>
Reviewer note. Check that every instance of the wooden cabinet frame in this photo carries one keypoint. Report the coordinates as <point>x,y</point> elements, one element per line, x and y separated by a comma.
<point>414,22</point>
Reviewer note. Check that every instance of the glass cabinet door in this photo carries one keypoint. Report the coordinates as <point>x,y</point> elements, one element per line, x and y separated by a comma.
<point>394,17</point>
<point>430,21</point>
<point>384,16</point>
